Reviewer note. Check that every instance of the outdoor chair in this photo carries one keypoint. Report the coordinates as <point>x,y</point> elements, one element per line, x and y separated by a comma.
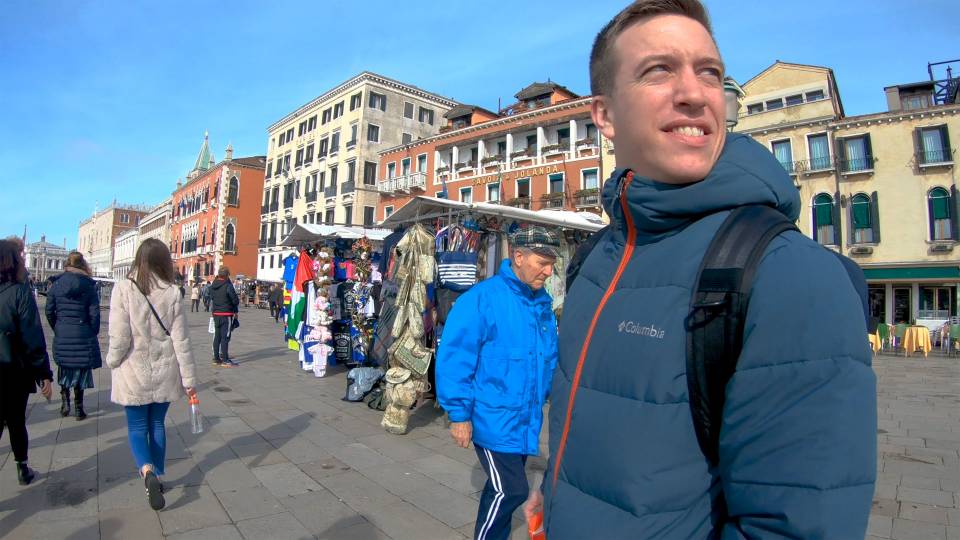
<point>954,339</point>
<point>899,331</point>
<point>883,331</point>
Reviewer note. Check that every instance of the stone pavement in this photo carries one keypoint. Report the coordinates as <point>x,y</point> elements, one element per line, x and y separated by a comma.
<point>284,457</point>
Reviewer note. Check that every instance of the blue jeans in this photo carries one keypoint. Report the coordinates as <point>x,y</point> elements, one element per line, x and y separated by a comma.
<point>148,438</point>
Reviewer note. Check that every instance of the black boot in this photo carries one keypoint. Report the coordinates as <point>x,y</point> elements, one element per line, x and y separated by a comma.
<point>78,403</point>
<point>24,474</point>
<point>65,402</point>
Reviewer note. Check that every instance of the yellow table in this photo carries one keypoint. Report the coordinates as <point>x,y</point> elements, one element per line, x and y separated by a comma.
<point>917,337</point>
<point>875,342</point>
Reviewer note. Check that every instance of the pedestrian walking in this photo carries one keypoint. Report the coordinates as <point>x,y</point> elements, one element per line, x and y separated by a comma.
<point>493,371</point>
<point>24,363</point>
<point>195,297</point>
<point>149,357</point>
<point>276,302</point>
<point>226,303</point>
<point>205,294</point>
<point>791,448</point>
<point>73,311</point>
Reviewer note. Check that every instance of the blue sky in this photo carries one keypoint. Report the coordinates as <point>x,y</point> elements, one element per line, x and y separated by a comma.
<point>110,99</point>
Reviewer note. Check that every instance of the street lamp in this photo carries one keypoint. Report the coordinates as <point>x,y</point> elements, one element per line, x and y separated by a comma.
<point>733,93</point>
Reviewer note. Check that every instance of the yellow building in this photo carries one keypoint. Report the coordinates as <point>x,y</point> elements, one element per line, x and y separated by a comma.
<point>880,188</point>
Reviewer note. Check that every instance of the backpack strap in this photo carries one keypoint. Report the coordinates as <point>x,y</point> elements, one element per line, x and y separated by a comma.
<point>718,309</point>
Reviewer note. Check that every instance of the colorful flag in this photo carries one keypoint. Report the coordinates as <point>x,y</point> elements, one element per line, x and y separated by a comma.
<point>298,296</point>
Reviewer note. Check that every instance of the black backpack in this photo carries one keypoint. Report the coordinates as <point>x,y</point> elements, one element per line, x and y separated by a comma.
<point>718,308</point>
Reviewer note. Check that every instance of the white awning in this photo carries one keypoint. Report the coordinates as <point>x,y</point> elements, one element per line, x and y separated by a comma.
<point>306,233</point>
<point>423,207</point>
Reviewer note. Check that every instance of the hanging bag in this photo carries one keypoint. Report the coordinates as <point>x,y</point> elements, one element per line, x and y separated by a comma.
<point>154,311</point>
<point>456,262</point>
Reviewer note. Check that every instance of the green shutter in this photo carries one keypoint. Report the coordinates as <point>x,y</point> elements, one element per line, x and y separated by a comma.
<point>861,214</point>
<point>824,214</point>
<point>941,207</point>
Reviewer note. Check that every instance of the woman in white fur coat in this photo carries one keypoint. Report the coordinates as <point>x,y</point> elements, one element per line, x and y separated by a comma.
<point>149,357</point>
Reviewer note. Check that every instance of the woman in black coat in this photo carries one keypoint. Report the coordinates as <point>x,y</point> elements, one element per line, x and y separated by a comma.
<point>73,311</point>
<point>23,353</point>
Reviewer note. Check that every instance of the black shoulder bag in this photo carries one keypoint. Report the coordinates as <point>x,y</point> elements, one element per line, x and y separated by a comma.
<point>155,314</point>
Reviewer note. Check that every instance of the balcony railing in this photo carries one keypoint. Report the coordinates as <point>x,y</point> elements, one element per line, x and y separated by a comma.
<point>311,196</point>
<point>288,202</point>
<point>263,242</point>
<point>417,180</point>
<point>519,202</point>
<point>856,165</point>
<point>587,198</point>
<point>814,165</point>
<point>330,191</point>
<point>942,156</point>
<point>793,167</point>
<point>552,200</point>
<point>348,187</point>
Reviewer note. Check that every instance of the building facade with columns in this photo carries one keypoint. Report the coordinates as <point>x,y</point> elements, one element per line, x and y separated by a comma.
<point>322,159</point>
<point>156,224</point>
<point>44,259</point>
<point>543,152</point>
<point>96,234</point>
<point>215,216</point>
<point>880,188</point>
<point>124,249</point>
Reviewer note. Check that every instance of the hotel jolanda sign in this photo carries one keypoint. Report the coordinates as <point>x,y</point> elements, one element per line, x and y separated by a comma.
<point>515,175</point>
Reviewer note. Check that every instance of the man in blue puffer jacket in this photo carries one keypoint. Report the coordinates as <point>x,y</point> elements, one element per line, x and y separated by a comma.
<point>797,451</point>
<point>494,366</point>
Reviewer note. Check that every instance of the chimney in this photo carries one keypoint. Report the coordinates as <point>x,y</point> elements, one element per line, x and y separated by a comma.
<point>229,153</point>
<point>893,98</point>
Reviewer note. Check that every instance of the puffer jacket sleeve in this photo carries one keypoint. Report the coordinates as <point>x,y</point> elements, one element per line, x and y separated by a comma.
<point>50,310</point>
<point>181,346</point>
<point>34,346</point>
<point>93,309</point>
<point>798,441</point>
<point>121,334</point>
<point>458,356</point>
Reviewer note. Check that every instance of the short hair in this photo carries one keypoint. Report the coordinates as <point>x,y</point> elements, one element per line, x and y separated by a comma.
<point>603,64</point>
<point>224,272</point>
<point>12,269</point>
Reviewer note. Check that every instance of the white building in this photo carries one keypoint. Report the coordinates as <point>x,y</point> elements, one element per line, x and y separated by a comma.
<point>156,224</point>
<point>124,249</point>
<point>44,259</point>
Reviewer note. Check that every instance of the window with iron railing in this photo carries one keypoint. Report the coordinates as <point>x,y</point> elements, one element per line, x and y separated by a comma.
<point>933,145</point>
<point>856,154</point>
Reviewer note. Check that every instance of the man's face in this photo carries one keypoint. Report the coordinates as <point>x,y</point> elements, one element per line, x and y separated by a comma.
<point>666,112</point>
<point>532,268</point>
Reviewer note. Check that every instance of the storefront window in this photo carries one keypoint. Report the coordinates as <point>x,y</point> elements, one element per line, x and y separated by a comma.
<point>937,303</point>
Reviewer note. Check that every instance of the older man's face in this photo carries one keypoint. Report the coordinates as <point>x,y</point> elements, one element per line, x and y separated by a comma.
<point>532,268</point>
<point>666,111</point>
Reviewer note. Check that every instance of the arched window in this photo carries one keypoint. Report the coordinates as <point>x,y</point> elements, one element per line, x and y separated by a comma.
<point>862,214</point>
<point>233,193</point>
<point>940,214</point>
<point>823,226</point>
<point>229,241</point>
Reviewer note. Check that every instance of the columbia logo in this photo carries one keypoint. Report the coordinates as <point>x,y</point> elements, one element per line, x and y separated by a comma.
<point>631,327</point>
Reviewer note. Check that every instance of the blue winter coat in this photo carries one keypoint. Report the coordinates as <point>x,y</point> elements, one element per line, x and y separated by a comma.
<point>73,311</point>
<point>798,438</point>
<point>495,362</point>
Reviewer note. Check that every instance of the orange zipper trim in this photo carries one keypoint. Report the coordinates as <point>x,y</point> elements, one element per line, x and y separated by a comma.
<point>627,253</point>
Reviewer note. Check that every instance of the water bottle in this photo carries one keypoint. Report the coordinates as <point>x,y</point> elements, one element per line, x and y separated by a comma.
<point>196,422</point>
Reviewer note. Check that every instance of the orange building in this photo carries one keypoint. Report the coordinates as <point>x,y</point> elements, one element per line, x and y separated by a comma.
<point>216,216</point>
<point>543,152</point>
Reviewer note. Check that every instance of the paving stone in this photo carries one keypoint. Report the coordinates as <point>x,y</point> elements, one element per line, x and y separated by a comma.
<point>886,507</point>
<point>142,524</point>
<point>221,532</point>
<point>925,496</point>
<point>274,527</point>
<point>80,528</point>
<point>904,529</point>
<point>191,508</point>
<point>451,473</point>
<point>359,456</point>
<point>321,511</point>
<point>230,475</point>
<point>446,505</point>
<point>920,482</point>
<point>259,454</point>
<point>880,526</point>
<point>360,531</point>
<point>403,521</point>
<point>399,479</point>
<point>394,447</point>
<point>922,512</point>
<point>249,503</point>
<point>299,450</point>
<point>285,479</point>
<point>359,492</point>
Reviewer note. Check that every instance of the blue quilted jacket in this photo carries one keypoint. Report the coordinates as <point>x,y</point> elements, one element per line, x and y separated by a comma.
<point>73,311</point>
<point>495,362</point>
<point>798,438</point>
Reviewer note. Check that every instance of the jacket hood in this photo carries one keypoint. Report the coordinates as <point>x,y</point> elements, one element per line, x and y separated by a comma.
<point>217,283</point>
<point>745,173</point>
<point>74,284</point>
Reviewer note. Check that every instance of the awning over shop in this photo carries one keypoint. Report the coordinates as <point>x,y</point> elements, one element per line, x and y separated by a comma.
<point>912,274</point>
<point>423,207</point>
<point>310,232</point>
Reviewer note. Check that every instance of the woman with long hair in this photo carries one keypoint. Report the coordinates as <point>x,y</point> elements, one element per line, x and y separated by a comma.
<point>23,354</point>
<point>73,311</point>
<point>149,356</point>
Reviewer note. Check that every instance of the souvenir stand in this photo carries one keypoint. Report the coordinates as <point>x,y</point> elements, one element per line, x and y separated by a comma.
<point>439,249</point>
<point>330,315</point>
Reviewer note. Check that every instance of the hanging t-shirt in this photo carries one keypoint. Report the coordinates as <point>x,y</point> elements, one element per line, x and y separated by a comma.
<point>290,270</point>
<point>339,269</point>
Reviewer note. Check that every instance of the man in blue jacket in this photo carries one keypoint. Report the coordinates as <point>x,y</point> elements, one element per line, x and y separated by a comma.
<point>797,450</point>
<point>494,366</point>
